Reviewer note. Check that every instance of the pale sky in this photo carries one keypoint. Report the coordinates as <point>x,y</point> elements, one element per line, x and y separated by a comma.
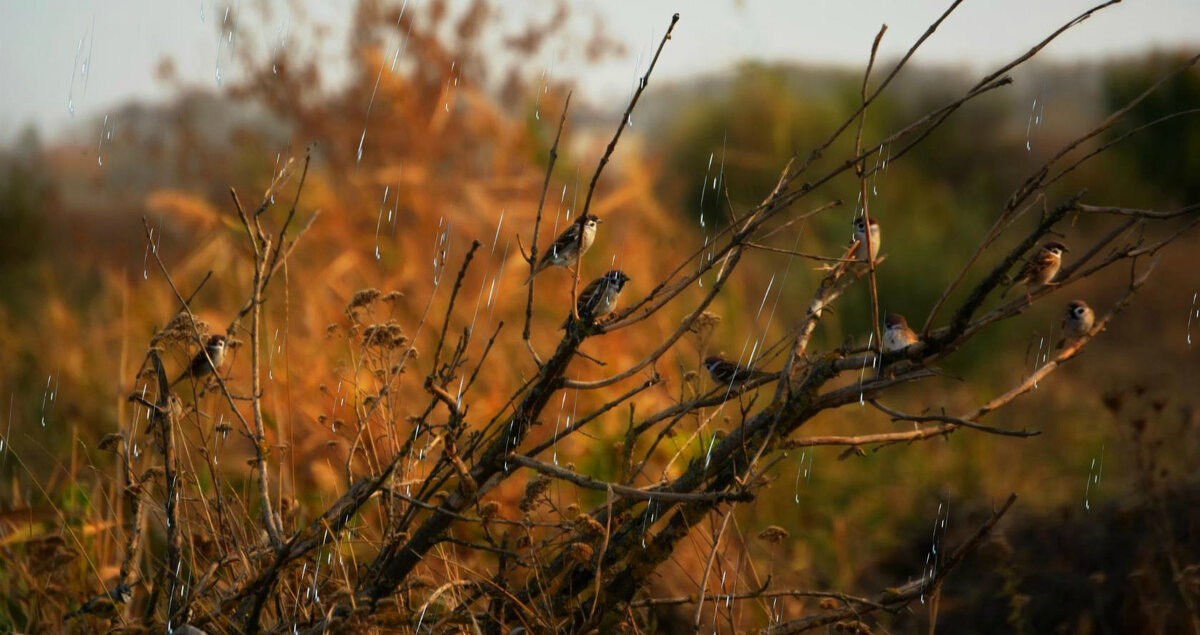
<point>42,61</point>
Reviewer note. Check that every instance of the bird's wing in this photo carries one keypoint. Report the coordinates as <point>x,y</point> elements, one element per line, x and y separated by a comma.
<point>590,296</point>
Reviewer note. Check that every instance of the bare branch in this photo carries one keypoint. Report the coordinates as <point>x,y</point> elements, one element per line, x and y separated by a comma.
<point>621,490</point>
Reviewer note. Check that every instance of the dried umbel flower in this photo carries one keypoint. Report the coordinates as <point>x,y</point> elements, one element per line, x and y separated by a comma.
<point>388,336</point>
<point>585,524</point>
<point>112,442</point>
<point>773,534</point>
<point>392,296</point>
<point>704,323</point>
<point>489,510</point>
<point>363,298</point>
<point>180,329</point>
<point>579,552</point>
<point>533,490</point>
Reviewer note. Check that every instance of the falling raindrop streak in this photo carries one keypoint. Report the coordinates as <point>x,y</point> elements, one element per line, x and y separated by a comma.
<point>1092,479</point>
<point>453,78</point>
<point>400,51</point>
<point>1192,312</point>
<point>543,87</point>
<point>271,356</point>
<point>103,127</point>
<point>863,374</point>
<point>799,470</point>
<point>45,394</point>
<point>71,88</point>
<point>146,256</point>
<point>281,36</point>
<point>4,443</point>
<point>379,221</point>
<point>237,15</point>
<point>1035,119</point>
<point>371,102</point>
<point>931,559</point>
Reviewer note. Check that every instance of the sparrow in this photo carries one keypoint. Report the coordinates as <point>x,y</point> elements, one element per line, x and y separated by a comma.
<point>1040,269</point>
<point>897,336</point>
<point>107,604</point>
<point>200,366</point>
<point>728,373</point>
<point>860,235</point>
<point>1077,322</point>
<point>566,249</point>
<point>599,297</point>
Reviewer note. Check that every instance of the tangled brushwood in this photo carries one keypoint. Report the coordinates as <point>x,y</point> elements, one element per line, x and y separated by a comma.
<point>388,553</point>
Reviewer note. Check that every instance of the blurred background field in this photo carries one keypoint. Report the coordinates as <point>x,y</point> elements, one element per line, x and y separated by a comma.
<point>451,146</point>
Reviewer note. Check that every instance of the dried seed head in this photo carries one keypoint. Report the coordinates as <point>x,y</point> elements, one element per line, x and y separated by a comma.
<point>533,490</point>
<point>704,323</point>
<point>112,442</point>
<point>153,472</point>
<point>489,510</point>
<point>363,298</point>
<point>388,336</point>
<point>773,534</point>
<point>579,552</point>
<point>585,524</point>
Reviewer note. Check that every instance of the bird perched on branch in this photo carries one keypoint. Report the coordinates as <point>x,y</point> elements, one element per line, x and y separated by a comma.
<point>599,297</point>
<point>1040,269</point>
<point>898,336</point>
<point>1078,321</point>
<point>729,373</point>
<point>567,248</point>
<point>860,235</point>
<point>208,359</point>
<point>107,604</point>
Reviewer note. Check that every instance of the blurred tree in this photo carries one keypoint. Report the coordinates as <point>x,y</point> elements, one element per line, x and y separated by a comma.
<point>25,189</point>
<point>1163,154</point>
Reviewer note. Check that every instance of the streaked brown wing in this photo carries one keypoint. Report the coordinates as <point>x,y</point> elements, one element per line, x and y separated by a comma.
<point>590,296</point>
